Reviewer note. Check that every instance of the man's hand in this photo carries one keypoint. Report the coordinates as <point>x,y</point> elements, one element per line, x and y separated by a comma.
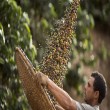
<point>42,78</point>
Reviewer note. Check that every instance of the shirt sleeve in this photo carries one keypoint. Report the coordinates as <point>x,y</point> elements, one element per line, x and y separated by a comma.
<point>82,106</point>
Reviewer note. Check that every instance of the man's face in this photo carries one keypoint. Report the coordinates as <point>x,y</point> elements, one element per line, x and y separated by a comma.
<point>89,91</point>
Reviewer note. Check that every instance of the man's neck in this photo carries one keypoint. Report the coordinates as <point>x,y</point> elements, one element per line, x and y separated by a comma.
<point>94,103</point>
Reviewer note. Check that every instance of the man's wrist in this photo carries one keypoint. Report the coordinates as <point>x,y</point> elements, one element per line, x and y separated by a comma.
<point>48,82</point>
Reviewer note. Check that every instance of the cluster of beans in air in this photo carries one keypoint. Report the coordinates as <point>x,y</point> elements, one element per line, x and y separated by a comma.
<point>54,63</point>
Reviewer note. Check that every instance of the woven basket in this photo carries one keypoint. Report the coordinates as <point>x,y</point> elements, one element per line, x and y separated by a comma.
<point>36,95</point>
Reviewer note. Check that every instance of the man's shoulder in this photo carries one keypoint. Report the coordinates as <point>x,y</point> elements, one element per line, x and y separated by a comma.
<point>83,106</point>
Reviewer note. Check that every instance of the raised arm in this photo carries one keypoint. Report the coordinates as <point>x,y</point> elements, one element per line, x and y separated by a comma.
<point>61,96</point>
<point>58,107</point>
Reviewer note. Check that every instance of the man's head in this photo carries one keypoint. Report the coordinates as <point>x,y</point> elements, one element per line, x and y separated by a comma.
<point>95,89</point>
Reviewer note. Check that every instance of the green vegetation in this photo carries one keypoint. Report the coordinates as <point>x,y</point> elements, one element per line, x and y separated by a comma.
<point>14,31</point>
<point>100,9</point>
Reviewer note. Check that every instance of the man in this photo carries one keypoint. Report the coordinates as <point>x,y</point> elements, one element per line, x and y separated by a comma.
<point>95,91</point>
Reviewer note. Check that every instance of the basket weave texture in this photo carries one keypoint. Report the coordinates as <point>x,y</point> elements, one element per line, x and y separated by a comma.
<point>36,95</point>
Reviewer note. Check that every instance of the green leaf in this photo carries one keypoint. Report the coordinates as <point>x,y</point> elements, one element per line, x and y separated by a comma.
<point>44,23</point>
<point>1,60</point>
<point>52,10</point>
<point>25,15</point>
<point>2,38</point>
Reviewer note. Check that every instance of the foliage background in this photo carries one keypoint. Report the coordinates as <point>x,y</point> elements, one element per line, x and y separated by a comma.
<point>27,23</point>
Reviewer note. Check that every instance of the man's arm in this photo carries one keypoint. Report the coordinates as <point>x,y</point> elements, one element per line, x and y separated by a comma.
<point>61,96</point>
<point>58,107</point>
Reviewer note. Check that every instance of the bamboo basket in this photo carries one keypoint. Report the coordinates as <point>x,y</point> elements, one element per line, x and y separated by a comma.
<point>36,95</point>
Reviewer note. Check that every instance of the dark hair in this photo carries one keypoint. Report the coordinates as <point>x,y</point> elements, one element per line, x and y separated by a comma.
<point>99,85</point>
